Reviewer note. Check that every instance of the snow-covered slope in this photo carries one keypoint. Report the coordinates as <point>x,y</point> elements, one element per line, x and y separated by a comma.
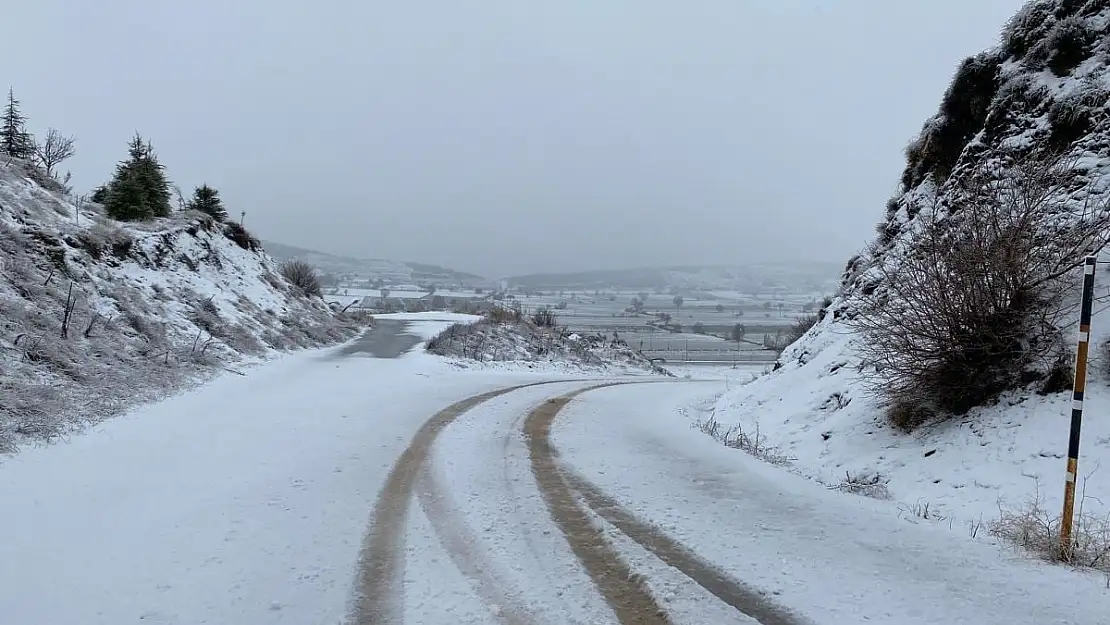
<point>96,314</point>
<point>1043,94</point>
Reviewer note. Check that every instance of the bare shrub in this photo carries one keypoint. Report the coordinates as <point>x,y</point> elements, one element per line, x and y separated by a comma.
<point>800,327</point>
<point>206,315</point>
<point>751,442</point>
<point>356,316</point>
<point>871,485</point>
<point>1068,42</point>
<point>505,315</point>
<point>1072,116</point>
<point>1037,530</point>
<point>241,236</point>
<point>975,306</point>
<point>301,275</point>
<point>473,341</point>
<point>544,318</point>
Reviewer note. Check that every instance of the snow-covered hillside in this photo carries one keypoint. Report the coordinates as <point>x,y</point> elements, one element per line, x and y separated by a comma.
<point>96,314</point>
<point>1041,97</point>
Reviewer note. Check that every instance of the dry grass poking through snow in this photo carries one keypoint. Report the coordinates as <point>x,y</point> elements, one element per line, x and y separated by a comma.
<point>751,442</point>
<point>1037,530</point>
<point>871,485</point>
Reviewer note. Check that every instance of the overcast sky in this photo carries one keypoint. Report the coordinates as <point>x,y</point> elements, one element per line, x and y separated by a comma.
<point>509,136</point>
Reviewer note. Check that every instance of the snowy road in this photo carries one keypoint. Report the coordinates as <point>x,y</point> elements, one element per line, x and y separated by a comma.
<point>388,338</point>
<point>325,490</point>
<point>576,503</point>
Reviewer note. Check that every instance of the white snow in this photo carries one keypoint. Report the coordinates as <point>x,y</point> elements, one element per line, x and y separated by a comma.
<point>835,558</point>
<point>151,306</point>
<point>244,501</point>
<point>505,519</point>
<point>821,415</point>
<point>428,324</point>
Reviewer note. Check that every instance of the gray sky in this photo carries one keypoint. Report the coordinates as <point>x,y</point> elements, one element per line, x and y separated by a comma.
<point>509,136</point>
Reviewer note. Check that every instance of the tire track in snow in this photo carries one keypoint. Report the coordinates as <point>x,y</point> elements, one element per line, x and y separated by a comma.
<point>629,599</point>
<point>742,598</point>
<point>461,546</point>
<point>379,591</point>
<point>566,484</point>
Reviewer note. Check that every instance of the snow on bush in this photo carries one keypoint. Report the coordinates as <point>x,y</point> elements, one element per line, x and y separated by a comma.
<point>504,337</point>
<point>96,315</point>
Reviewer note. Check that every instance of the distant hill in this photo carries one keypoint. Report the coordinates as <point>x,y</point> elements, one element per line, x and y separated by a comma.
<point>374,268</point>
<point>750,278</point>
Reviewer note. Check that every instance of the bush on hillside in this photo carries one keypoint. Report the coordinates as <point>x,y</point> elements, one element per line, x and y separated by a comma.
<point>544,318</point>
<point>1067,8</point>
<point>1020,97</point>
<point>241,236</point>
<point>1092,7</point>
<point>1070,118</point>
<point>800,327</point>
<point>1067,44</point>
<point>505,315</point>
<point>301,275</point>
<point>975,306</point>
<point>962,113</point>
<point>1028,26</point>
<point>887,230</point>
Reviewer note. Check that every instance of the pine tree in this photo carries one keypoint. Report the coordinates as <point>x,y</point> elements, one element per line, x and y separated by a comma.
<point>153,178</point>
<point>100,194</point>
<point>207,200</point>
<point>15,141</point>
<point>139,190</point>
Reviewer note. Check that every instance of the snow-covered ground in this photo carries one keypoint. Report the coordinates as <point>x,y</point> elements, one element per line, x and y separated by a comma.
<point>256,500</point>
<point>833,558</point>
<point>98,315</point>
<point>244,501</point>
<point>820,415</point>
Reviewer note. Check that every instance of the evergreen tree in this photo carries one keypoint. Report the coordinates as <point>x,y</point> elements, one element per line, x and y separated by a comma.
<point>15,141</point>
<point>207,200</point>
<point>139,190</point>
<point>100,194</point>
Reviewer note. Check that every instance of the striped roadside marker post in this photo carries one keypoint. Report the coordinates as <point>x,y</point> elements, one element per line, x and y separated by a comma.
<point>1081,350</point>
